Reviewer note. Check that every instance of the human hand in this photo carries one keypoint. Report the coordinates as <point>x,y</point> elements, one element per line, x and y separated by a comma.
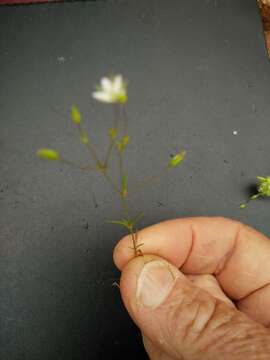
<point>217,306</point>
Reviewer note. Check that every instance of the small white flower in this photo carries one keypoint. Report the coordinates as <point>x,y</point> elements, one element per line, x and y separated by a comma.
<point>111,90</point>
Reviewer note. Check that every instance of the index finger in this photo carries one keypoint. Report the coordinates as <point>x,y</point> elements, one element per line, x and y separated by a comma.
<point>236,254</point>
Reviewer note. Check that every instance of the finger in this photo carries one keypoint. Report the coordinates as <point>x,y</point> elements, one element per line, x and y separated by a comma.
<point>238,255</point>
<point>210,284</point>
<point>154,352</point>
<point>185,321</point>
<point>257,305</point>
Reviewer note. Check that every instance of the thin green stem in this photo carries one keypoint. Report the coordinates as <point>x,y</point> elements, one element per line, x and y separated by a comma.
<point>134,237</point>
<point>125,207</point>
<point>77,166</point>
<point>116,127</point>
<point>90,147</point>
<point>116,116</point>
<point>122,174</point>
<point>109,152</point>
<point>141,184</point>
<point>125,118</point>
<point>120,162</point>
<point>111,182</point>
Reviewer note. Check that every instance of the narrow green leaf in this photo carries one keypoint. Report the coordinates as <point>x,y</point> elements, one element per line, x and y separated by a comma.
<point>122,222</point>
<point>116,222</point>
<point>137,218</point>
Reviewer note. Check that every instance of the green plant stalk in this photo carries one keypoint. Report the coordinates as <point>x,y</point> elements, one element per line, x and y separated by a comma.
<point>141,184</point>
<point>120,116</point>
<point>77,166</point>
<point>116,127</point>
<point>125,119</point>
<point>90,147</point>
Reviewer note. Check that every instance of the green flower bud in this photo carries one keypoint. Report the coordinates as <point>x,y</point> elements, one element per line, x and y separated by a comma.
<point>112,133</point>
<point>177,159</point>
<point>48,154</point>
<point>75,114</point>
<point>121,145</point>
<point>122,98</point>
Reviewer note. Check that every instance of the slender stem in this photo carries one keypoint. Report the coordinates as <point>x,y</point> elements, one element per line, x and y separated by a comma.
<point>116,126</point>
<point>90,147</point>
<point>77,166</point>
<point>116,116</point>
<point>109,151</point>
<point>134,233</point>
<point>144,182</point>
<point>125,207</point>
<point>111,182</point>
<point>125,118</point>
<point>120,162</point>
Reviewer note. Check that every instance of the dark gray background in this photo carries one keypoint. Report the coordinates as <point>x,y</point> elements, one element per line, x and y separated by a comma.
<point>197,71</point>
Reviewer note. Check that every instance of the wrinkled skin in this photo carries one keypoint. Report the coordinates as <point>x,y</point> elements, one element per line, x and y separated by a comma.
<point>201,289</point>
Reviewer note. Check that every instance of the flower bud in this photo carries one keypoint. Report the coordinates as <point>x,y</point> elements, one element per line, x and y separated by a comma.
<point>121,145</point>
<point>177,159</point>
<point>48,154</point>
<point>75,114</point>
<point>112,133</point>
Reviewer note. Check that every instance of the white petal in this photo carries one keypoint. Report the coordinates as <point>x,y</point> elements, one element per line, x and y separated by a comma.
<point>103,97</point>
<point>118,83</point>
<point>106,84</point>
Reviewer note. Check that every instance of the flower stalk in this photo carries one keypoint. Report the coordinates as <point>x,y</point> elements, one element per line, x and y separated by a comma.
<point>112,90</point>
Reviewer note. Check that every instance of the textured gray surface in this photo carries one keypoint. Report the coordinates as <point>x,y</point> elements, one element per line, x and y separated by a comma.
<point>197,71</point>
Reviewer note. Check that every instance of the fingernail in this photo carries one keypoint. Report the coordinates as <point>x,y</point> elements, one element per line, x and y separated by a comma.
<point>154,284</point>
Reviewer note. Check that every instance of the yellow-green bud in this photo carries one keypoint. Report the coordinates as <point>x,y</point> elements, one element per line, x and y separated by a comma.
<point>121,145</point>
<point>48,154</point>
<point>177,159</point>
<point>75,114</point>
<point>112,133</point>
<point>122,98</point>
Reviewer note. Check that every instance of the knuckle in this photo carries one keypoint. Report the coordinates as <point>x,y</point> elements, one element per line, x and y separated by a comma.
<point>189,317</point>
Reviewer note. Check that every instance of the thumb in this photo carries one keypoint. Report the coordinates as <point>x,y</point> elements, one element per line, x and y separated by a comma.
<point>184,321</point>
